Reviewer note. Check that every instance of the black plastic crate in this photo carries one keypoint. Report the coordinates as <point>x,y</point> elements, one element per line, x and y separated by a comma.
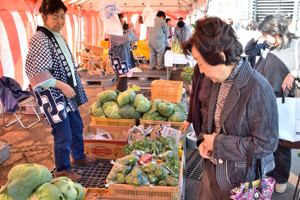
<point>93,176</point>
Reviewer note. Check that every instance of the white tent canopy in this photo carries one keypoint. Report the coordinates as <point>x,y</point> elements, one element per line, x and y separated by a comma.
<point>138,5</point>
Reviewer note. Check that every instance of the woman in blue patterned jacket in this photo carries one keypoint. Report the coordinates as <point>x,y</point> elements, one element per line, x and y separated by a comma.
<point>57,87</point>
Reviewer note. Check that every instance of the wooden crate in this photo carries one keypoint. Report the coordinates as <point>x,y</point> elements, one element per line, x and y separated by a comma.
<point>175,125</point>
<point>167,90</point>
<point>146,192</point>
<point>113,122</point>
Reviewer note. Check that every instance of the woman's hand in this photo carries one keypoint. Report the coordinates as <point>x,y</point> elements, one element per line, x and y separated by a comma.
<point>257,35</point>
<point>288,82</point>
<point>65,89</point>
<point>209,141</point>
<point>204,153</point>
<point>185,125</point>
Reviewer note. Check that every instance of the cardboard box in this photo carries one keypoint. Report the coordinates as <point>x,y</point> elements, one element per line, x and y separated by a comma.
<point>105,149</point>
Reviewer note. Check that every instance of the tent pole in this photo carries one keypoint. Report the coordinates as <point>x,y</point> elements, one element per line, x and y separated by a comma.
<point>206,8</point>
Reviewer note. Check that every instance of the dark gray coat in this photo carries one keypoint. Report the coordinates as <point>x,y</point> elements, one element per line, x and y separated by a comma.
<point>249,115</point>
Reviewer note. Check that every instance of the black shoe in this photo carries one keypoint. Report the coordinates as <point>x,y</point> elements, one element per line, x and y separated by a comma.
<point>162,68</point>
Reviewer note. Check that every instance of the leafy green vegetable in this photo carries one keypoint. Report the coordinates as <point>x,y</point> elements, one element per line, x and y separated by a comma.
<point>154,106</point>
<point>159,118</point>
<point>47,191</point>
<point>177,117</point>
<point>171,181</point>
<point>161,172</point>
<point>127,149</point>
<point>141,104</point>
<point>147,116</point>
<point>149,167</point>
<point>171,144</point>
<point>179,108</point>
<point>128,112</point>
<point>126,97</point>
<point>187,74</point>
<point>109,95</point>
<point>165,108</point>
<point>120,178</point>
<point>112,112</point>
<point>109,103</point>
<point>23,179</point>
<point>153,179</point>
<point>137,177</point>
<point>69,189</point>
<point>162,183</point>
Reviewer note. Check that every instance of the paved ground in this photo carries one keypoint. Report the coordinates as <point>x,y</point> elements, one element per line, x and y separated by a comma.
<point>36,146</point>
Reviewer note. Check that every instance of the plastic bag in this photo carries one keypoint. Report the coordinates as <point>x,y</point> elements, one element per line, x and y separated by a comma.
<point>137,177</point>
<point>148,16</point>
<point>171,181</point>
<point>109,12</point>
<point>149,167</point>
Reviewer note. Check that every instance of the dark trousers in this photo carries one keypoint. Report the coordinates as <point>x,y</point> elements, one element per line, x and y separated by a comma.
<point>209,188</point>
<point>282,157</point>
<point>122,83</point>
<point>68,138</point>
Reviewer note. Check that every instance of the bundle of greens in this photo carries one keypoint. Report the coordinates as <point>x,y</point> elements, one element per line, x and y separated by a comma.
<point>187,74</point>
<point>137,177</point>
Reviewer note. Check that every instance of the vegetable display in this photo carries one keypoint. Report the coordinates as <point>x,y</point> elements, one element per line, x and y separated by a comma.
<point>139,168</point>
<point>33,182</point>
<point>128,105</point>
<point>176,48</point>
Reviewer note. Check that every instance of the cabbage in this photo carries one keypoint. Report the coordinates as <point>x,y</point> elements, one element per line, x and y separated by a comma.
<point>126,97</point>
<point>112,112</point>
<point>154,106</point>
<point>23,179</point>
<point>159,118</point>
<point>96,110</point>
<point>47,191</point>
<point>154,116</point>
<point>109,95</point>
<point>165,108</point>
<point>109,103</point>
<point>141,104</point>
<point>177,117</point>
<point>179,108</point>
<point>69,189</point>
<point>128,112</point>
<point>5,197</point>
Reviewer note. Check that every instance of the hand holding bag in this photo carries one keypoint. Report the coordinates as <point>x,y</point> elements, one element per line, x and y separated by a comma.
<point>260,189</point>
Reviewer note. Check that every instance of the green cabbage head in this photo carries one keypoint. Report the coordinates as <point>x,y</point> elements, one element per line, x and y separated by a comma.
<point>165,108</point>
<point>179,108</point>
<point>47,191</point>
<point>177,117</point>
<point>69,189</point>
<point>97,111</point>
<point>128,112</point>
<point>154,106</point>
<point>109,95</point>
<point>23,179</point>
<point>109,103</point>
<point>141,104</point>
<point>112,112</point>
<point>147,116</point>
<point>126,97</point>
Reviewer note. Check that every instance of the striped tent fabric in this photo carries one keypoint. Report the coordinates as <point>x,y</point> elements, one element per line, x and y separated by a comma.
<point>18,24</point>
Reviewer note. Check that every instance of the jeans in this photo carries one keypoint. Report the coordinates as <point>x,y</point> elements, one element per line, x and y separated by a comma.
<point>68,138</point>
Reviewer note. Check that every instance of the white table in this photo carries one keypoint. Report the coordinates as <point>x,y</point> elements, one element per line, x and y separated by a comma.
<point>176,58</point>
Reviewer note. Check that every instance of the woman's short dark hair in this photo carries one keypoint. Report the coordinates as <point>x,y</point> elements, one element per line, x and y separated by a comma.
<point>168,19</point>
<point>276,25</point>
<point>120,15</point>
<point>212,37</point>
<point>253,25</point>
<point>52,6</point>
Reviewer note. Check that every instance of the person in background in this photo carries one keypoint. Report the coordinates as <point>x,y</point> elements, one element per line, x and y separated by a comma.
<point>242,110</point>
<point>156,38</point>
<point>57,87</point>
<point>168,43</point>
<point>251,29</point>
<point>120,55</point>
<point>277,65</point>
<point>182,33</point>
